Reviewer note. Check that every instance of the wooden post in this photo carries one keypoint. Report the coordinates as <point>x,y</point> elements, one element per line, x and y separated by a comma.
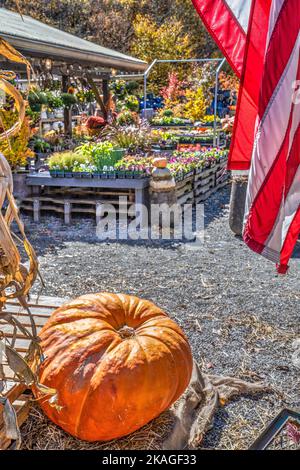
<point>36,210</point>
<point>67,111</point>
<point>97,95</point>
<point>238,201</point>
<point>105,91</point>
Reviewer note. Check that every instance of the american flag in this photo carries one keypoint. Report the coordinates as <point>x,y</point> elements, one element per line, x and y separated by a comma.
<point>272,220</point>
<point>266,133</point>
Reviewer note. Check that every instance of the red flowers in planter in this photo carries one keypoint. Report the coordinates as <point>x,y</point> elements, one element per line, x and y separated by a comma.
<point>95,122</point>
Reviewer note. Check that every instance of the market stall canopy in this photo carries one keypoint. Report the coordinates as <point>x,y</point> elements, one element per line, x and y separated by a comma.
<point>36,39</point>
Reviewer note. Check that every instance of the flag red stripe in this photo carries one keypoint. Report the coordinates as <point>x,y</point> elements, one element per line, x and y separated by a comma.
<point>283,39</point>
<point>244,126</point>
<point>225,30</point>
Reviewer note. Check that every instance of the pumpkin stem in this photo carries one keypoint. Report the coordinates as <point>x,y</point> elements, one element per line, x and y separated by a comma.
<point>126,332</point>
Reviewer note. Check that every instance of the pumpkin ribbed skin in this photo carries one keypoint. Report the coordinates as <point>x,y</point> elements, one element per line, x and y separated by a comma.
<point>116,361</point>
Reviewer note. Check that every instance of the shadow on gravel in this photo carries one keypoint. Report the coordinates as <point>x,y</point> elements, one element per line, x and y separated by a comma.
<point>296,252</point>
<point>217,205</point>
<point>51,235</point>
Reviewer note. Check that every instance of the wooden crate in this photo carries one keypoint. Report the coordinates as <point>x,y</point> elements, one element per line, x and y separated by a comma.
<point>16,392</point>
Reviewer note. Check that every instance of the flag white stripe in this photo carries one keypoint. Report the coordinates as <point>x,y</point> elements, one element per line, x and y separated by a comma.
<point>241,10</point>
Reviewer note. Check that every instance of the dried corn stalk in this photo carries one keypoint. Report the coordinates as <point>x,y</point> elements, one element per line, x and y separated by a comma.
<point>16,279</point>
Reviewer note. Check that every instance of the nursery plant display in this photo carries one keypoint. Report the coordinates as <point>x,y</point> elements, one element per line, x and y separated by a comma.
<point>179,163</point>
<point>87,159</point>
<point>91,159</point>
<point>115,353</point>
<point>170,121</point>
<point>172,138</point>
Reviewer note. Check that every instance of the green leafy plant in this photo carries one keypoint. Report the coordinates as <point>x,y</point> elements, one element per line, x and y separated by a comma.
<point>53,101</point>
<point>40,145</point>
<point>68,100</point>
<point>167,112</point>
<point>101,154</point>
<point>37,99</point>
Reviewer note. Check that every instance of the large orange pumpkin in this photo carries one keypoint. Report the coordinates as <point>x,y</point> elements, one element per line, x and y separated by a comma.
<point>116,361</point>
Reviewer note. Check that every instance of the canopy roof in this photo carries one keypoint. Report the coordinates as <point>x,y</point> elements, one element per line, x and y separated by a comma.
<point>36,39</point>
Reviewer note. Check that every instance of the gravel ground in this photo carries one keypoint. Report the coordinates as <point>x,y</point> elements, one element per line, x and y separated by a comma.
<point>241,317</point>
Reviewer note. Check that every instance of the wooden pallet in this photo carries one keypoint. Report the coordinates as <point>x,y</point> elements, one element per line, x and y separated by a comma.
<point>184,189</point>
<point>186,198</point>
<point>67,207</point>
<point>209,192</point>
<point>16,392</point>
<point>202,174</point>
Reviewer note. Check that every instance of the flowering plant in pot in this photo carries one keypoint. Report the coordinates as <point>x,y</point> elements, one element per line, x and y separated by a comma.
<point>137,165</point>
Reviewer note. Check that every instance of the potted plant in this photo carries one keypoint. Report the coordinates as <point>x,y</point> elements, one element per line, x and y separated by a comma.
<point>68,100</point>
<point>53,102</point>
<point>40,146</point>
<point>37,99</point>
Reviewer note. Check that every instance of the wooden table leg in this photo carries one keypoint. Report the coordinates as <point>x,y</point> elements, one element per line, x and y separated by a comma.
<point>36,210</point>
<point>67,212</point>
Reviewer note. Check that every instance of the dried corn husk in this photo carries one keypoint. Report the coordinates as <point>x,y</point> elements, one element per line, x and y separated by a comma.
<point>16,279</point>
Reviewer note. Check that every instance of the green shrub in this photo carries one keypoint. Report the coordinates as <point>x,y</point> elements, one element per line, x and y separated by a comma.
<point>36,100</point>
<point>53,101</point>
<point>168,112</point>
<point>68,99</point>
<point>126,118</point>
